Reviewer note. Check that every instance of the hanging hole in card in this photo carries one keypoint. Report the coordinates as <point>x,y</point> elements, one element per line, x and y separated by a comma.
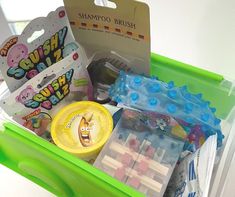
<point>106,3</point>
<point>35,35</point>
<point>46,80</point>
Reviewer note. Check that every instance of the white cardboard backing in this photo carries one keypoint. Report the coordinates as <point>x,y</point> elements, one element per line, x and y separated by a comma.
<point>22,58</point>
<point>35,103</point>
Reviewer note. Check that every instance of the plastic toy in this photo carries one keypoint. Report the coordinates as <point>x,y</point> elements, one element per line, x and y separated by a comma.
<point>140,156</point>
<point>38,100</point>
<point>150,94</point>
<point>82,128</point>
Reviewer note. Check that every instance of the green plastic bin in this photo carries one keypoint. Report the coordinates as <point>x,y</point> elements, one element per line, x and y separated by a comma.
<point>65,175</point>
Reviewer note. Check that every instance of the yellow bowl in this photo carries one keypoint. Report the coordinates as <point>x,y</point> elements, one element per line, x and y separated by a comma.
<point>82,128</point>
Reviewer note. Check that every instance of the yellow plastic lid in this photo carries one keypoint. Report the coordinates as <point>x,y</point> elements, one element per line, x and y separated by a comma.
<point>82,128</point>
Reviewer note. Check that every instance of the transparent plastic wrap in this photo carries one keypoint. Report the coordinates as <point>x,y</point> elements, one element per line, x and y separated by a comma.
<point>104,68</point>
<point>192,175</point>
<point>138,156</point>
<point>191,111</point>
<point>38,100</point>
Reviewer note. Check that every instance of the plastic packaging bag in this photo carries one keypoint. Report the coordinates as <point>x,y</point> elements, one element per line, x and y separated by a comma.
<point>35,104</point>
<point>192,112</point>
<point>140,156</point>
<point>191,177</point>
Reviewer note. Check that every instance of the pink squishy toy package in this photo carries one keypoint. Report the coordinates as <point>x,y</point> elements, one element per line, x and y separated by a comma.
<point>45,41</point>
<point>39,100</point>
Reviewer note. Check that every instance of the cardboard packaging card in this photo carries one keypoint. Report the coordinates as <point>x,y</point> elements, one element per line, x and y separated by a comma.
<point>38,101</point>
<point>44,41</point>
<point>124,30</point>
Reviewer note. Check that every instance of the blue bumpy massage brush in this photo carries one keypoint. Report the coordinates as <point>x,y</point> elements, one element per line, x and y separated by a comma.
<point>150,94</point>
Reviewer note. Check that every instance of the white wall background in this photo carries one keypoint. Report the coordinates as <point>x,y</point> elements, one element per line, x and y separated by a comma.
<point>198,32</point>
<point>5,30</point>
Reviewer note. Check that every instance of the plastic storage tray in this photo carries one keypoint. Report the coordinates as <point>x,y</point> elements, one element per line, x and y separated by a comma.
<point>139,156</point>
<point>65,175</point>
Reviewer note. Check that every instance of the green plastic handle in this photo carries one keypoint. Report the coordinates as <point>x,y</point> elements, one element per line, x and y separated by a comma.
<point>176,65</point>
<point>46,176</point>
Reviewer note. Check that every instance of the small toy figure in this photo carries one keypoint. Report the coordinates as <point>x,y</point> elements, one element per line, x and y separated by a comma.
<point>158,121</point>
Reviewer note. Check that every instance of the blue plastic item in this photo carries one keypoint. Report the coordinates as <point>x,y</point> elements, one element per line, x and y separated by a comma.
<point>150,94</point>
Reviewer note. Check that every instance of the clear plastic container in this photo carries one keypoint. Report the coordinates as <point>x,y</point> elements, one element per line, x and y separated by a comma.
<point>138,156</point>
